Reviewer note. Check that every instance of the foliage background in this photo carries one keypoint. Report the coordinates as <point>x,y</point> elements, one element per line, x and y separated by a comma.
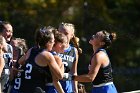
<point>88,16</point>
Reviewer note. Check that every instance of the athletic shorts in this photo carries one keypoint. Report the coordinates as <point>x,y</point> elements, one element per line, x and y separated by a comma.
<point>67,86</point>
<point>14,91</point>
<point>105,89</point>
<point>50,89</point>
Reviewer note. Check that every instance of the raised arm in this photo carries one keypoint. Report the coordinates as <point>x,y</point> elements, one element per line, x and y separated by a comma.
<point>94,68</point>
<point>55,80</point>
<point>24,57</point>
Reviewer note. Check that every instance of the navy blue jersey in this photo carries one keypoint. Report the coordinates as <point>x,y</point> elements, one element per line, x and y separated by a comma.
<point>68,57</point>
<point>16,82</point>
<point>33,75</point>
<point>104,74</point>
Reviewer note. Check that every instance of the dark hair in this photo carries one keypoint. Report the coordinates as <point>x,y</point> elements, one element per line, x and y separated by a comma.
<point>50,28</point>
<point>59,37</point>
<point>42,36</point>
<point>108,38</point>
<point>2,23</point>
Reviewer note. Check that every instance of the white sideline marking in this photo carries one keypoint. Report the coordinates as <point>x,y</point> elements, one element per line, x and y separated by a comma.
<point>137,91</point>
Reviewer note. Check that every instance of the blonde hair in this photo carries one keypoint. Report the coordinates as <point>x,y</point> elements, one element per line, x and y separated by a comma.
<point>68,26</point>
<point>74,39</point>
<point>75,42</point>
<point>21,43</point>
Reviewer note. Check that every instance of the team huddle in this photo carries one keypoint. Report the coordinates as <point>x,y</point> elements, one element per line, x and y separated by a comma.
<point>50,65</point>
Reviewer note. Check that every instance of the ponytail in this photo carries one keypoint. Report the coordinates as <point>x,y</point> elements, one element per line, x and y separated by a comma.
<point>108,38</point>
<point>112,36</point>
<point>75,42</point>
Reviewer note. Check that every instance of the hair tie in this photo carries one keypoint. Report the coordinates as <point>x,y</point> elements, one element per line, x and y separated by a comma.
<point>110,37</point>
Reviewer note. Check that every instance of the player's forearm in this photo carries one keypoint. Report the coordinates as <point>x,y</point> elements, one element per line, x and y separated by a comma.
<point>75,88</point>
<point>58,86</point>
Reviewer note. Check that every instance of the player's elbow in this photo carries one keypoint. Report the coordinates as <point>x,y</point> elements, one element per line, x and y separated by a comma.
<point>60,76</point>
<point>91,78</point>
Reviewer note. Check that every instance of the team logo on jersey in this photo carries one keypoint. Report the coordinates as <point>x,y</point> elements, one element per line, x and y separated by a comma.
<point>7,55</point>
<point>19,74</point>
<point>66,57</point>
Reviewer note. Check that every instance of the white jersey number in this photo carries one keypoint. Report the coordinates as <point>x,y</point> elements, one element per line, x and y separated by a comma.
<point>28,71</point>
<point>65,64</point>
<point>17,83</point>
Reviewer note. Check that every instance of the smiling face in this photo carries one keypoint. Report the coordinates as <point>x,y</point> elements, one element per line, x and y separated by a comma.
<point>7,32</point>
<point>61,41</point>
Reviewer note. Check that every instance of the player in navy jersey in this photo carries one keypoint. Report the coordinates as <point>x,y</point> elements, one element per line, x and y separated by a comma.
<point>59,46</point>
<point>100,71</point>
<point>37,63</point>
<point>69,58</point>
<point>19,49</point>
